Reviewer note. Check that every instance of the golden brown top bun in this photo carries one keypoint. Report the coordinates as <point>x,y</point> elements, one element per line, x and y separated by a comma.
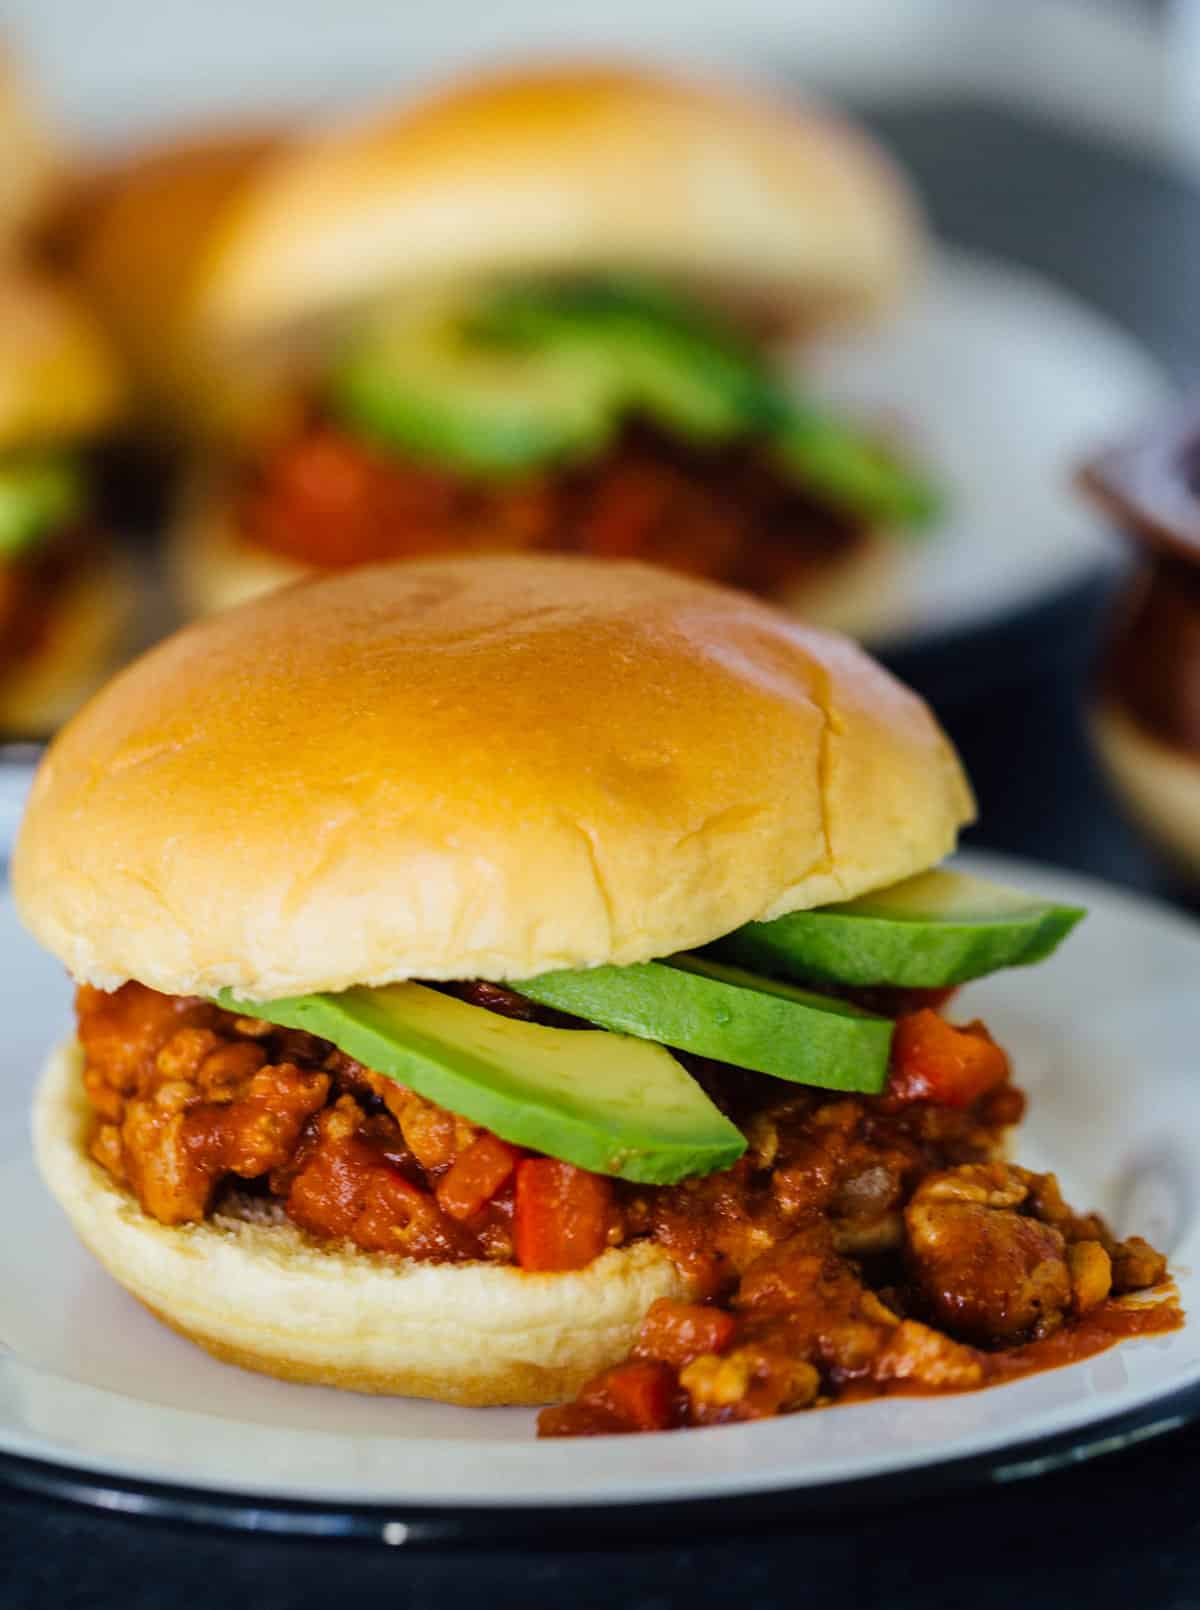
<point>562,168</point>
<point>472,768</point>
<point>57,378</point>
<point>29,158</point>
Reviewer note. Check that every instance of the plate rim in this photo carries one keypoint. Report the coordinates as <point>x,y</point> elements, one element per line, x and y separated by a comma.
<point>582,1525</point>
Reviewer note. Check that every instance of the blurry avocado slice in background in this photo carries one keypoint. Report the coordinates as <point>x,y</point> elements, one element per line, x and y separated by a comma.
<point>38,493</point>
<point>419,383</point>
<point>670,360</point>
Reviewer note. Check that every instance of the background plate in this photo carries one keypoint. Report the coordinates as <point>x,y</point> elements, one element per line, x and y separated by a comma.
<point>1003,383</point>
<point>1105,1038</point>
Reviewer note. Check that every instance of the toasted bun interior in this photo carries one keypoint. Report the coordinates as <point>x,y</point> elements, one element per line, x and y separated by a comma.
<point>211,565</point>
<point>472,768</point>
<point>267,1297</point>
<point>560,168</point>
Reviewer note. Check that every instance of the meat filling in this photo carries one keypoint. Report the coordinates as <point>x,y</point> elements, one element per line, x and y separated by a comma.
<point>327,499</point>
<point>862,1244</point>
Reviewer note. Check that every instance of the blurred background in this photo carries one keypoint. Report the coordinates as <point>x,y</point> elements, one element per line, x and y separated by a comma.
<point>1054,146</point>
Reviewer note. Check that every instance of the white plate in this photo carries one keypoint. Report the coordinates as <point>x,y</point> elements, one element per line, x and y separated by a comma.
<point>1004,383</point>
<point>1106,1037</point>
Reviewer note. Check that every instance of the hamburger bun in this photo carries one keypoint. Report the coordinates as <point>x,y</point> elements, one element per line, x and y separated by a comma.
<point>263,1295</point>
<point>224,264</point>
<point>862,592</point>
<point>472,768</point>
<point>132,233</point>
<point>57,376</point>
<point>556,169</point>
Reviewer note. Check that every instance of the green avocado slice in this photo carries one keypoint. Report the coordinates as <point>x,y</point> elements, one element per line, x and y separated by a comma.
<point>606,1102</point>
<point>839,463</point>
<point>419,383</point>
<point>543,372</point>
<point>37,493</point>
<point>697,1005</point>
<point>670,359</point>
<point>936,929</point>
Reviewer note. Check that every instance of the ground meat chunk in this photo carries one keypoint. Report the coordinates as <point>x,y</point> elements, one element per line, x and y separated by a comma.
<point>176,1146</point>
<point>351,1184</point>
<point>183,1104</point>
<point>986,1271</point>
<point>435,1137</point>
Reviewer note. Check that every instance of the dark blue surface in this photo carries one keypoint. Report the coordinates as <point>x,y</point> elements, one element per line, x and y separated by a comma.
<point>1124,1528</point>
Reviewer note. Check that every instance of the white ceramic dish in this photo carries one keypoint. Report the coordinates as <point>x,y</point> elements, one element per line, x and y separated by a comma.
<point>1106,1037</point>
<point>1004,384</point>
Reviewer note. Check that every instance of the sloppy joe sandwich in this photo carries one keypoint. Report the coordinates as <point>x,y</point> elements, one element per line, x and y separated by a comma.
<point>514,978</point>
<point>535,310</point>
<point>65,595</point>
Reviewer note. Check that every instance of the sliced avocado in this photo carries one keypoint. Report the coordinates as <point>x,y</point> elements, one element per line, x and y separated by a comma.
<point>603,1101</point>
<point>422,384</point>
<point>844,467</point>
<point>931,931</point>
<point>37,493</point>
<point>698,1005</point>
<point>543,373</point>
<point>670,358</point>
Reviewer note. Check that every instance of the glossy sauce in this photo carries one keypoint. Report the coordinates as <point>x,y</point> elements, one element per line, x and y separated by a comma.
<point>1119,1319</point>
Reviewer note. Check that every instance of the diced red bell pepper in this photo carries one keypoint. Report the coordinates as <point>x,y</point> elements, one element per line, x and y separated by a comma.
<point>475,1176</point>
<point>934,1061</point>
<point>676,1333</point>
<point>562,1214</point>
<point>641,1394</point>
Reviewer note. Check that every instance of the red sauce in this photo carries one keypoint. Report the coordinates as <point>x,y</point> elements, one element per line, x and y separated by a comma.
<point>1153,1313</point>
<point>327,499</point>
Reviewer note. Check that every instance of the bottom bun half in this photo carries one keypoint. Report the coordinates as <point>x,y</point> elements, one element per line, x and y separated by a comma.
<point>265,1296</point>
<point>88,627</point>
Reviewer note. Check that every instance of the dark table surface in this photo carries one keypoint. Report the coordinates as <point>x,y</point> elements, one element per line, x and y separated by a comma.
<point>1118,1529</point>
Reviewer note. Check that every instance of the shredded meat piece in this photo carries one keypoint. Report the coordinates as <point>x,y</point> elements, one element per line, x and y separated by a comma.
<point>329,499</point>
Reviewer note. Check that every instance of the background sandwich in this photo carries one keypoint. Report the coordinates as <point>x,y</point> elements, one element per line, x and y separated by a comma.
<point>65,595</point>
<point>531,311</point>
<point>462,1001</point>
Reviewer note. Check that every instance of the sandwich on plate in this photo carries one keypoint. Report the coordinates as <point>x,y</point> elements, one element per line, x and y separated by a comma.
<point>65,595</point>
<point>536,310</point>
<point>527,980</point>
